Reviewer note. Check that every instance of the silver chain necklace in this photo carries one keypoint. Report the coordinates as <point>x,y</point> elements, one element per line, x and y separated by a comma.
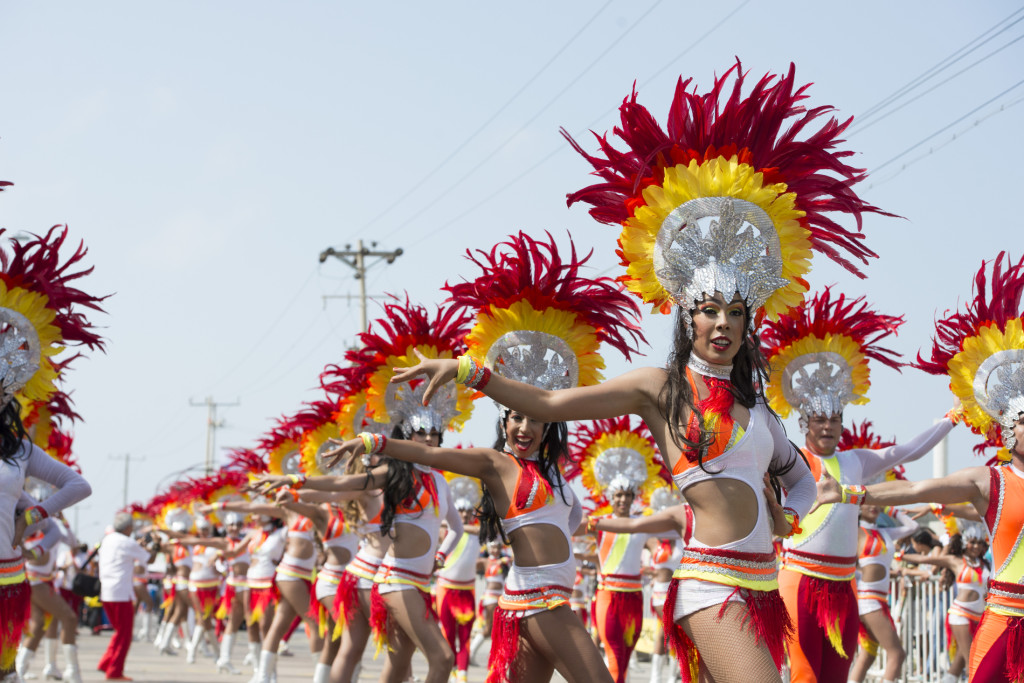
<point>701,366</point>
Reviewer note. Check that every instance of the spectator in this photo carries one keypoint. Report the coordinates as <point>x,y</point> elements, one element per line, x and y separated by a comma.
<point>117,557</point>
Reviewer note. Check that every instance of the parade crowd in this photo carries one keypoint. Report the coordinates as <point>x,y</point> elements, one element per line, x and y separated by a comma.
<point>356,519</point>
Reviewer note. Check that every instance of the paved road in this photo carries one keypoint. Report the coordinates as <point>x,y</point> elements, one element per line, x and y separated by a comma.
<point>145,665</point>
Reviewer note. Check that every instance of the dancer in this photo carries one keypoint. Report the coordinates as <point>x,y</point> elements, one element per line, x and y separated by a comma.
<point>727,166</point>
<point>670,523</point>
<point>526,287</point>
<point>176,602</point>
<point>495,572</point>
<point>456,579</point>
<point>877,547</point>
<point>41,315</point>
<point>233,603</point>
<point>618,468</point>
<point>980,349</point>
<point>821,356</point>
<point>968,564</point>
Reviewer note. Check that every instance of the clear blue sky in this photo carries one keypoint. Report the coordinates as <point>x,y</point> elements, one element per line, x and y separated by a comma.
<point>207,153</point>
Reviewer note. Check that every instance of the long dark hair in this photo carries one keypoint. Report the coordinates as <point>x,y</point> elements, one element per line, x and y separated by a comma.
<point>749,376</point>
<point>398,486</point>
<point>12,431</point>
<point>554,446</point>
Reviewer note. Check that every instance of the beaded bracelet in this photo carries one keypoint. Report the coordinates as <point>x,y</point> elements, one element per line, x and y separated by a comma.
<point>591,525</point>
<point>472,373</point>
<point>34,515</point>
<point>218,506</point>
<point>373,443</point>
<point>794,522</point>
<point>297,481</point>
<point>854,494</point>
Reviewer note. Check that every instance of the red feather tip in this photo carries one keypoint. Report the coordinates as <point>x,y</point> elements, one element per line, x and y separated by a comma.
<point>862,436</point>
<point>997,299</point>
<point>525,268</point>
<point>724,123</point>
<point>404,325</point>
<point>992,442</point>
<point>341,382</point>
<point>823,314</point>
<point>584,434</point>
<point>36,265</point>
<point>285,429</point>
<point>245,460</point>
<point>314,415</point>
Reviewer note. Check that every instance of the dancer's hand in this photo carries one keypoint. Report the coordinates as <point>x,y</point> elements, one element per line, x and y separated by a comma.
<point>343,449</point>
<point>438,371</point>
<point>265,483</point>
<point>780,525</point>
<point>19,530</point>
<point>829,491</point>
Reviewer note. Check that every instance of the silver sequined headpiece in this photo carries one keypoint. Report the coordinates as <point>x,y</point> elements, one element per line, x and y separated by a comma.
<point>819,383</point>
<point>999,390</point>
<point>665,497</point>
<point>20,354</point>
<point>533,357</point>
<point>620,469</point>
<point>465,493</point>
<point>740,253</point>
<point>405,405</point>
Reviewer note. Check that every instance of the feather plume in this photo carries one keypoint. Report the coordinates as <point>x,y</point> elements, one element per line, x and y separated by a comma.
<point>768,129</point>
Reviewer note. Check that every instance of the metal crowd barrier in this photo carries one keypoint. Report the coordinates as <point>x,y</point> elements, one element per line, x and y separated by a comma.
<point>919,611</point>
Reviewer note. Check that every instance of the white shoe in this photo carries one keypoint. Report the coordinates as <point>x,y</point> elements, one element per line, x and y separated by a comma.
<point>252,657</point>
<point>72,672</point>
<point>268,667</point>
<point>50,672</point>
<point>12,677</point>
<point>474,647</point>
<point>283,649</point>
<point>23,660</point>
<point>224,661</point>
<point>321,673</point>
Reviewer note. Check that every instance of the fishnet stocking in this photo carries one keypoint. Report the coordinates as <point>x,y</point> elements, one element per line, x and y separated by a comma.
<point>728,648</point>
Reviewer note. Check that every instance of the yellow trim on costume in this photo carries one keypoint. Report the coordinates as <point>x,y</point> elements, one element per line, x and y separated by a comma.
<point>840,344</point>
<point>814,520</point>
<point>964,366</point>
<point>493,323</point>
<point>719,177</point>
<point>377,386</point>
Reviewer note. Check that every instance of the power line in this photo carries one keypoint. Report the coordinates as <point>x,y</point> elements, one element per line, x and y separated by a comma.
<point>934,87</point>
<point>942,130</point>
<point>489,158</point>
<point>939,66</point>
<point>530,81</point>
<point>956,136</point>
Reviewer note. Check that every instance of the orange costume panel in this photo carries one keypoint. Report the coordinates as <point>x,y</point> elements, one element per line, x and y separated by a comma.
<point>997,652</point>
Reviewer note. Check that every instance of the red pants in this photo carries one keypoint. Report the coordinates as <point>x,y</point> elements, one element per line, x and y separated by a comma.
<point>121,616</point>
<point>812,657</point>
<point>619,619</point>
<point>455,614</point>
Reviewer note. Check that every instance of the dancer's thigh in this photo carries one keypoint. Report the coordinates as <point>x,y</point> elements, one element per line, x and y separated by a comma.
<point>559,637</point>
<point>728,647</point>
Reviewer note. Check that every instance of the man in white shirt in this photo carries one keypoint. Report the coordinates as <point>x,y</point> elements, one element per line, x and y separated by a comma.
<point>118,554</point>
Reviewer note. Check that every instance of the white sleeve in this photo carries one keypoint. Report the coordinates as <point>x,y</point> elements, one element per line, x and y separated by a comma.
<point>798,481</point>
<point>906,526</point>
<point>878,461</point>
<point>454,522</point>
<point>137,552</point>
<point>71,486</point>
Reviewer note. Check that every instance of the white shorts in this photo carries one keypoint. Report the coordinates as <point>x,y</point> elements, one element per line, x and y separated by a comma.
<point>693,595</point>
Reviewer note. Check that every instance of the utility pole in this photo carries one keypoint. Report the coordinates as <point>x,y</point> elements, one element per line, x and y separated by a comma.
<point>127,457</point>
<point>212,425</point>
<point>356,258</point>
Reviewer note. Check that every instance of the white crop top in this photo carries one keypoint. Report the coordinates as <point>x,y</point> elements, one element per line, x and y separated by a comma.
<point>764,443</point>
<point>542,507</point>
<point>265,555</point>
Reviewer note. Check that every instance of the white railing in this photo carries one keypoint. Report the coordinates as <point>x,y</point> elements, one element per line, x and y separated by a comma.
<point>919,610</point>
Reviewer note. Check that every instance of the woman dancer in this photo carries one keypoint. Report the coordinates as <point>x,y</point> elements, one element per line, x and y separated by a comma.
<point>967,563</point>
<point>292,578</point>
<point>670,525</point>
<point>176,603</point>
<point>877,549</point>
<point>979,348</point>
<point>41,315</point>
<point>730,166</point>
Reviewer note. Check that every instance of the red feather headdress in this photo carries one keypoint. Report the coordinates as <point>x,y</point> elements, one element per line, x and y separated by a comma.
<point>347,386</point>
<point>615,454</point>
<point>765,149</point>
<point>820,353</point>
<point>41,312</point>
<point>528,300</point>
<point>981,348</point>
<point>390,343</point>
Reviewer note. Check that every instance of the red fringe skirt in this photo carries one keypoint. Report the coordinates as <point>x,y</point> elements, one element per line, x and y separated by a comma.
<point>504,665</point>
<point>15,595</point>
<point>207,599</point>
<point>767,616</point>
<point>260,599</point>
<point>226,600</point>
<point>345,601</point>
<point>380,618</point>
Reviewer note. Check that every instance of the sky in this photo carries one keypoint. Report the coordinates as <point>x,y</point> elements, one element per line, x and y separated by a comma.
<point>206,153</point>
